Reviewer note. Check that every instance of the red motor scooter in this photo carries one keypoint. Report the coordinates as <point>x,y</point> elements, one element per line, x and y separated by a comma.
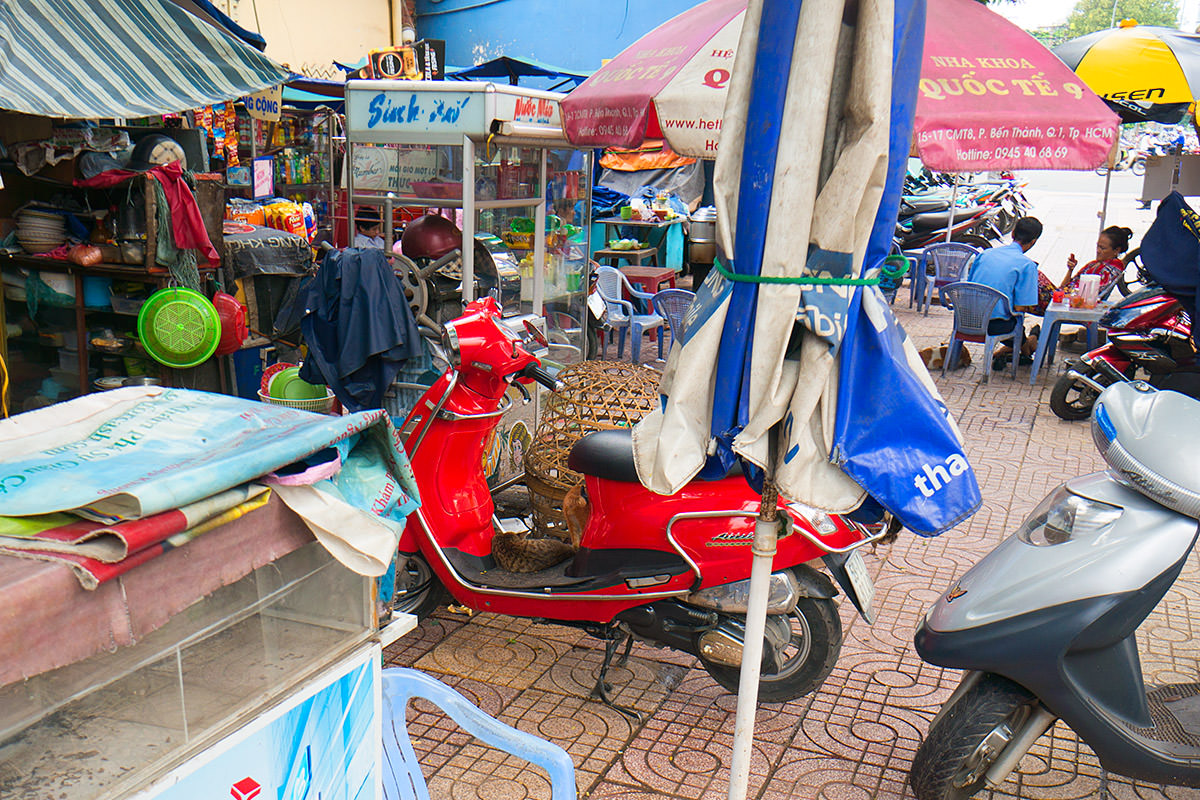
<point>1149,337</point>
<point>670,570</point>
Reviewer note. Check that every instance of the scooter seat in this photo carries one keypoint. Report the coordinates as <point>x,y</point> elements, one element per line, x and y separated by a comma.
<point>605,454</point>
<point>609,455</point>
<point>940,219</point>
<point>922,205</point>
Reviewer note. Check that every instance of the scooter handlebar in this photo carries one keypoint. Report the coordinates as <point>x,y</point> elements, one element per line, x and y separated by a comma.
<point>543,376</point>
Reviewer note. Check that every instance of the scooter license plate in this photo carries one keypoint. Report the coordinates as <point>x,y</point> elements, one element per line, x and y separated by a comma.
<point>860,579</point>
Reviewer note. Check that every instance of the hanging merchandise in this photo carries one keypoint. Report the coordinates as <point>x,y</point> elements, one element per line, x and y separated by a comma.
<point>218,130</point>
<point>179,327</point>
<point>231,135</point>
<point>205,119</point>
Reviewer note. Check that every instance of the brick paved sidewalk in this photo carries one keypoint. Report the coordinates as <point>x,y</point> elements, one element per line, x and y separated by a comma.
<point>854,738</point>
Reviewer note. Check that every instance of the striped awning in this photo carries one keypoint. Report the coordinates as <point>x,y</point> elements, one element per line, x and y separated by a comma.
<point>81,59</point>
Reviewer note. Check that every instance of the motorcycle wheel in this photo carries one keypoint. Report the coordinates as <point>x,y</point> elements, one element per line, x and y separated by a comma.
<point>952,761</point>
<point>1132,280</point>
<point>814,634</point>
<point>418,591</point>
<point>974,240</point>
<point>1072,399</point>
<point>1138,167</point>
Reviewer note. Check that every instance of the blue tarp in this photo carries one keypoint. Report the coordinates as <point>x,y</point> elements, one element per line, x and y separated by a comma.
<point>513,69</point>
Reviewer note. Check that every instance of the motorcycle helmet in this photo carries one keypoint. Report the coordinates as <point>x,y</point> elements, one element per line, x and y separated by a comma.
<point>430,236</point>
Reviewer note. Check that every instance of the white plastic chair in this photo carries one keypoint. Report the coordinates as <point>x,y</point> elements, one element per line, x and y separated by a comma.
<point>610,283</point>
<point>402,778</point>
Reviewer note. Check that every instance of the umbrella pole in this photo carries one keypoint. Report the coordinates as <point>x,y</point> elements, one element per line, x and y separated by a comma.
<point>1104,206</point>
<point>766,534</point>
<point>953,197</point>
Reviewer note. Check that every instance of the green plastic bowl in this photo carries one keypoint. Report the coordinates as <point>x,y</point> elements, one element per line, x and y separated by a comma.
<point>179,327</point>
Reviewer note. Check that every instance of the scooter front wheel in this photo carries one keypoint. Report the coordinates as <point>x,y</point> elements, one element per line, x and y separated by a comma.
<point>418,590</point>
<point>806,643</point>
<point>962,745</point>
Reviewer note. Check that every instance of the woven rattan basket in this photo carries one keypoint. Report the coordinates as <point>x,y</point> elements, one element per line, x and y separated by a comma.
<point>594,396</point>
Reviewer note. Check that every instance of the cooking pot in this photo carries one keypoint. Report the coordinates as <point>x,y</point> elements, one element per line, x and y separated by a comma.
<point>703,228</point>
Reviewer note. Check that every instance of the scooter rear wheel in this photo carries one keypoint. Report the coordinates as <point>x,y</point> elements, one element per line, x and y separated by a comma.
<point>973,239</point>
<point>1072,399</point>
<point>814,638</point>
<point>964,743</point>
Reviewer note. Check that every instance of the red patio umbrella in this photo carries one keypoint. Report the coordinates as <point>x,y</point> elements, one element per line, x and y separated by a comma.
<point>991,96</point>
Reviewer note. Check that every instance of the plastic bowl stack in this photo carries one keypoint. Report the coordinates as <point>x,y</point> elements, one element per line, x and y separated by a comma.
<point>40,231</point>
<point>281,385</point>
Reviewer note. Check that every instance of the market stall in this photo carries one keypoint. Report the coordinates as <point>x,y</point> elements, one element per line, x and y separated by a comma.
<point>174,614</point>
<point>492,160</point>
<point>108,196</point>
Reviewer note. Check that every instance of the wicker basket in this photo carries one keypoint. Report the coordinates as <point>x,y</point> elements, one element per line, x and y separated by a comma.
<point>319,405</point>
<point>594,396</point>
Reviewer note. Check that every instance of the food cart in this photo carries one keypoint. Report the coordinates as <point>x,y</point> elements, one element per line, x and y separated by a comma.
<point>493,159</point>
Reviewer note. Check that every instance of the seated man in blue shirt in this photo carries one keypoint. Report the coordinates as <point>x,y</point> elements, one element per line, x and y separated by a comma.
<point>1014,274</point>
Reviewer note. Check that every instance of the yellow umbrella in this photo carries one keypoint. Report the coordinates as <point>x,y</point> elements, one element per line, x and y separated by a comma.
<point>1143,72</point>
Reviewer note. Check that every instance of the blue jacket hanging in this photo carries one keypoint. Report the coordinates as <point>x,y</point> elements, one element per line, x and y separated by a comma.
<point>358,327</point>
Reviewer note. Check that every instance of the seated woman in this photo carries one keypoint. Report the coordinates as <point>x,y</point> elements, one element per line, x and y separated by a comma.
<point>1112,242</point>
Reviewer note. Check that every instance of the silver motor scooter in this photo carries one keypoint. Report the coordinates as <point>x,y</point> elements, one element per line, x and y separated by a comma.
<point>1045,624</point>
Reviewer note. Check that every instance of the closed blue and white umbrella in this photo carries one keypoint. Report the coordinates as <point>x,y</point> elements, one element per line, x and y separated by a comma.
<point>770,367</point>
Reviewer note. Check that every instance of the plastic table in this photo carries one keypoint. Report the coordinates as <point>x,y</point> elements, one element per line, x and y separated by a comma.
<point>649,279</point>
<point>1055,316</point>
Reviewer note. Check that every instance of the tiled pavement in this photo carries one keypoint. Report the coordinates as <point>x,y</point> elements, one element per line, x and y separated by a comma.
<point>854,738</point>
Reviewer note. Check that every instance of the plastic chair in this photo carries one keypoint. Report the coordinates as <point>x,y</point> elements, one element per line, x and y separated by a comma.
<point>948,261</point>
<point>621,314</point>
<point>973,304</point>
<point>402,776</point>
<point>671,305</point>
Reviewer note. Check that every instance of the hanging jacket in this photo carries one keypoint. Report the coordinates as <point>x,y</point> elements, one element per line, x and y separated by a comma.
<point>358,327</point>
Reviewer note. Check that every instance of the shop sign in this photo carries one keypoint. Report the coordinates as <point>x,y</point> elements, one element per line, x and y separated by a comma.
<point>434,115</point>
<point>531,110</point>
<point>264,105</point>
<point>392,168</point>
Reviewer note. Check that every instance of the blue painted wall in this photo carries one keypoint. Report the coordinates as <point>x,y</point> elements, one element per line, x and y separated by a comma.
<point>573,34</point>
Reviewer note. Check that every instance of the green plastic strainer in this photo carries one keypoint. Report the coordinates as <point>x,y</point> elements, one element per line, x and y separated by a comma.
<point>179,327</point>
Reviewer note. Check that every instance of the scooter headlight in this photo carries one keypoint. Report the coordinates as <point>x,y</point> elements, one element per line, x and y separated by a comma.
<point>1064,516</point>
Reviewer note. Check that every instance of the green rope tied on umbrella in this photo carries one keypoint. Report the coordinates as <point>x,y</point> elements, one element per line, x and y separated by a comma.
<point>802,280</point>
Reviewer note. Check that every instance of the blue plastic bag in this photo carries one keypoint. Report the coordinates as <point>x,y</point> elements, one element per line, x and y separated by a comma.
<point>891,435</point>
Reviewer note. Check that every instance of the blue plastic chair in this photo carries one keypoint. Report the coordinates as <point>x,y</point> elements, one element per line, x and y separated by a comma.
<point>948,262</point>
<point>622,316</point>
<point>671,305</point>
<point>402,776</point>
<point>973,304</point>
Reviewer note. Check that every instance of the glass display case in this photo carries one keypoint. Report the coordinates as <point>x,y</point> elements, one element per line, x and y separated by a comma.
<point>110,725</point>
<point>491,160</point>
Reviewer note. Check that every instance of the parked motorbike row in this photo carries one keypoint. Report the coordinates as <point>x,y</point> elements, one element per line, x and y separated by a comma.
<point>983,213</point>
